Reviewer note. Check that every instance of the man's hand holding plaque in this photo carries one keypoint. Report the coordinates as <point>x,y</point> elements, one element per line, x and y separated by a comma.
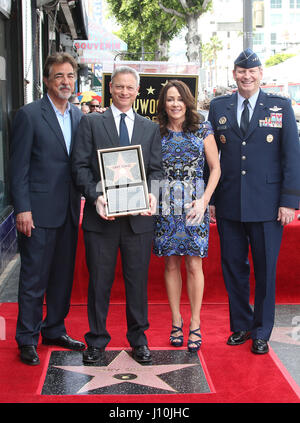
<point>101,208</point>
<point>101,205</point>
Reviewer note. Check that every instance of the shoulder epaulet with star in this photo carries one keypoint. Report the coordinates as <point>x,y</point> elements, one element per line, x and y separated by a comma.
<point>278,96</point>
<point>221,97</point>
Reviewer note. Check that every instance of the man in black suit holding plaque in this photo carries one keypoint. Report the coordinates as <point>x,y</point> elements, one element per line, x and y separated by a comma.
<point>118,126</point>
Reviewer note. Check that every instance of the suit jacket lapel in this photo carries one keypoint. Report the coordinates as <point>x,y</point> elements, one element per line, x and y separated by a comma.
<point>74,121</point>
<point>110,127</point>
<point>232,112</point>
<point>50,117</point>
<point>137,130</point>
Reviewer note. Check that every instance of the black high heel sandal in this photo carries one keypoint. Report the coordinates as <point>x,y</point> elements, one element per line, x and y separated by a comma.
<point>197,343</point>
<point>176,341</point>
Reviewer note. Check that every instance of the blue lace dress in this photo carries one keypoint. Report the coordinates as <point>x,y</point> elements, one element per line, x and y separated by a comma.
<point>183,162</point>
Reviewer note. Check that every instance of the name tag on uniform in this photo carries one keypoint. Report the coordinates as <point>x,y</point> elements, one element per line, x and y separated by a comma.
<point>274,121</point>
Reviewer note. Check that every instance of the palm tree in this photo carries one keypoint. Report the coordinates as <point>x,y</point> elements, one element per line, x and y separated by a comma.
<point>209,51</point>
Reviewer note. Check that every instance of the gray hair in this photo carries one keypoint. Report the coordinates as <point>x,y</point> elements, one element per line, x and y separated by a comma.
<point>58,58</point>
<point>126,69</point>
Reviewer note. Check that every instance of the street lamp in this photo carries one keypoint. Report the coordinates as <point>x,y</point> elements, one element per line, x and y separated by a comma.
<point>247,24</point>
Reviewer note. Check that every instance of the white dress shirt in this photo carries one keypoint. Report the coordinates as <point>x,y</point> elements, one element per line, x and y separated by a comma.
<point>129,120</point>
<point>65,123</point>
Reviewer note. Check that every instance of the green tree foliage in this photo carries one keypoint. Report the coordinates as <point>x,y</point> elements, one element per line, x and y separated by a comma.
<point>145,28</point>
<point>211,48</point>
<point>209,54</point>
<point>277,58</point>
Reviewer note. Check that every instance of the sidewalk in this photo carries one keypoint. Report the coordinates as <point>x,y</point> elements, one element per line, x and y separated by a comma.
<point>285,339</point>
<point>9,281</point>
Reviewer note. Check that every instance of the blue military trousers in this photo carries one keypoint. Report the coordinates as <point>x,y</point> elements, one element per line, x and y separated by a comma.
<point>236,240</point>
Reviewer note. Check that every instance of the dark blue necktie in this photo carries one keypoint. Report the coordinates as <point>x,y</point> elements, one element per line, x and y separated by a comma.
<point>124,137</point>
<point>245,118</point>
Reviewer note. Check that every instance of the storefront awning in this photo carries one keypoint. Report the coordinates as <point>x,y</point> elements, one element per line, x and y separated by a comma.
<point>102,45</point>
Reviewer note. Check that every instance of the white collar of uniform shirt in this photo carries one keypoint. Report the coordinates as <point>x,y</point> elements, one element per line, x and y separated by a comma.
<point>240,106</point>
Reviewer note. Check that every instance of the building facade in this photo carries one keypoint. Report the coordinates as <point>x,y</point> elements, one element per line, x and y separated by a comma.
<point>276,27</point>
<point>275,30</point>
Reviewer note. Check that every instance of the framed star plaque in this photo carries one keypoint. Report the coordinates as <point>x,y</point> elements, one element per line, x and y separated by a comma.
<point>123,180</point>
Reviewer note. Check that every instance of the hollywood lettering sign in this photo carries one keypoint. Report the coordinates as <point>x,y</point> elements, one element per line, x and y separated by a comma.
<point>150,86</point>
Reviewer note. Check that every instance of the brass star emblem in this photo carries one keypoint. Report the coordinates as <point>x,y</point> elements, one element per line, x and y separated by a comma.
<point>150,90</point>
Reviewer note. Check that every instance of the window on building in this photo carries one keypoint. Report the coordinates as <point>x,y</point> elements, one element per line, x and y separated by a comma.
<point>258,39</point>
<point>276,19</point>
<point>294,3</point>
<point>294,19</point>
<point>273,38</point>
<point>276,4</point>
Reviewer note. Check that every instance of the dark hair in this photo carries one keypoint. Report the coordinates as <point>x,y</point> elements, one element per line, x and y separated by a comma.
<point>58,58</point>
<point>192,118</point>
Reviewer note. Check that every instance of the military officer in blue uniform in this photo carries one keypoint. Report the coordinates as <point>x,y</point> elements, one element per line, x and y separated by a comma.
<point>257,195</point>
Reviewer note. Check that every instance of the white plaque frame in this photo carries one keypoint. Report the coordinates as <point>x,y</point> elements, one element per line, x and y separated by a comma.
<point>123,179</point>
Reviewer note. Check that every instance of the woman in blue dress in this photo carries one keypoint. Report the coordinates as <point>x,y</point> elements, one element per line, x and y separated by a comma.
<point>182,225</point>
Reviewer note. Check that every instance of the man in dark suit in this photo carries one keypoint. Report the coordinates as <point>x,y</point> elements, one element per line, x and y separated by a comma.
<point>104,236</point>
<point>257,195</point>
<point>47,208</point>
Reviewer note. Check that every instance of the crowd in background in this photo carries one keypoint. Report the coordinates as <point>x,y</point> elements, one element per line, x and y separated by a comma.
<point>86,107</point>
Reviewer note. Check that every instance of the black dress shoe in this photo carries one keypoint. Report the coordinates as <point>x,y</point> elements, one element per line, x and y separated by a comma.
<point>238,338</point>
<point>141,354</point>
<point>65,341</point>
<point>28,355</point>
<point>259,346</point>
<point>92,354</point>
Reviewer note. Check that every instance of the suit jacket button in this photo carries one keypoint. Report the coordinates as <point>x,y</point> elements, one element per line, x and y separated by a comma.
<point>243,157</point>
<point>244,143</point>
<point>244,172</point>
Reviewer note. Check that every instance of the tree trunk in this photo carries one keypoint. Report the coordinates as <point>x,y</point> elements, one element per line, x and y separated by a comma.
<point>162,52</point>
<point>193,40</point>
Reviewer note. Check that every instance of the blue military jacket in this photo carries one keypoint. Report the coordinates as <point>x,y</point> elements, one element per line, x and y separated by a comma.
<point>261,170</point>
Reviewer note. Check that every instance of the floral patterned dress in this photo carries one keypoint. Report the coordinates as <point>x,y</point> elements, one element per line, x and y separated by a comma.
<point>183,162</point>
